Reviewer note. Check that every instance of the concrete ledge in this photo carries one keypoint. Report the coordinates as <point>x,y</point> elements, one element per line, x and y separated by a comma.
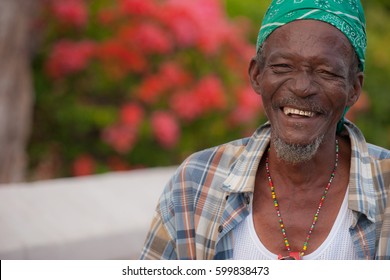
<point>96,217</point>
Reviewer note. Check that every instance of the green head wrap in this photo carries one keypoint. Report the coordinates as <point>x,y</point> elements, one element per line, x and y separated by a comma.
<point>346,15</point>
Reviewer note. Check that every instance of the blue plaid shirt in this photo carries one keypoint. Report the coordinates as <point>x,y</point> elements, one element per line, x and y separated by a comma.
<point>210,193</point>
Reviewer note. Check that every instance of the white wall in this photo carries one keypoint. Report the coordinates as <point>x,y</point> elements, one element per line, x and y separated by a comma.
<point>93,217</point>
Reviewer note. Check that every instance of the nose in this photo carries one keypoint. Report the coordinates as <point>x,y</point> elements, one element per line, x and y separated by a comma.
<point>302,84</point>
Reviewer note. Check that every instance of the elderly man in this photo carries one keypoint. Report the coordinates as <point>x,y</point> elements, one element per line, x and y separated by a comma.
<point>306,185</point>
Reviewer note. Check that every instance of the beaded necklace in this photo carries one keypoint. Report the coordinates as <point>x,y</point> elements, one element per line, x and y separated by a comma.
<point>298,255</point>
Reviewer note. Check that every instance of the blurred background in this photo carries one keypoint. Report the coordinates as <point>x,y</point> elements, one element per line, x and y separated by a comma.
<point>94,86</point>
<point>123,91</point>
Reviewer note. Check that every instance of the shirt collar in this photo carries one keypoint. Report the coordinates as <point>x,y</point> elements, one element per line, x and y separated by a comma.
<point>361,186</point>
<point>361,190</point>
<point>243,173</point>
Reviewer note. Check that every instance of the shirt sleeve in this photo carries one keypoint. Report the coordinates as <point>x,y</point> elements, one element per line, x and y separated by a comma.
<point>160,240</point>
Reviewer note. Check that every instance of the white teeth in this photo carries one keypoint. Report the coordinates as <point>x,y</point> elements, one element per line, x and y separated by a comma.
<point>292,111</point>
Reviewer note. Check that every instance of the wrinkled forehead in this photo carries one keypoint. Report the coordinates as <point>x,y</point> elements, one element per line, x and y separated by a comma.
<point>309,40</point>
<point>309,32</point>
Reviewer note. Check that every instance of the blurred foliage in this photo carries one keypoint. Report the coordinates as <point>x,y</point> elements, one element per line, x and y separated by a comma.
<point>123,84</point>
<point>375,122</point>
<point>131,83</point>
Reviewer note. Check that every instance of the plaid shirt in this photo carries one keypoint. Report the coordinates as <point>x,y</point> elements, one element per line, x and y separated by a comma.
<point>210,193</point>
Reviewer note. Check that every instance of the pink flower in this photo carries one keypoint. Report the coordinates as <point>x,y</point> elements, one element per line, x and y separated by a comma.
<point>213,25</point>
<point>237,55</point>
<point>174,74</point>
<point>210,94</point>
<point>131,114</point>
<point>165,129</point>
<point>121,137</point>
<point>170,76</point>
<point>196,23</point>
<point>70,12</point>
<point>152,88</point>
<point>83,165</point>
<point>248,107</point>
<point>137,7</point>
<point>243,50</point>
<point>207,96</point>
<point>186,105</point>
<point>69,57</point>
<point>118,59</point>
<point>147,37</point>
<point>177,16</point>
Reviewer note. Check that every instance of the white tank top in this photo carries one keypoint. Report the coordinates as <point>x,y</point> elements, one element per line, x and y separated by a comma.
<point>337,246</point>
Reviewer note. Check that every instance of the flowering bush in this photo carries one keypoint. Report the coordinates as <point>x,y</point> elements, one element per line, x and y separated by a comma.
<point>131,83</point>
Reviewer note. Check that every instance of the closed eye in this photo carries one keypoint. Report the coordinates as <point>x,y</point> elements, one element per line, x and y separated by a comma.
<point>281,68</point>
<point>329,74</point>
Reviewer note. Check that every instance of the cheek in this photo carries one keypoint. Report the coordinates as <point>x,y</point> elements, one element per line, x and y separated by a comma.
<point>269,84</point>
<point>266,105</point>
<point>267,93</point>
<point>337,96</point>
<point>336,103</point>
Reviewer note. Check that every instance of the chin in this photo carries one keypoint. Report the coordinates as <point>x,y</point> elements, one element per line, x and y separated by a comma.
<point>296,152</point>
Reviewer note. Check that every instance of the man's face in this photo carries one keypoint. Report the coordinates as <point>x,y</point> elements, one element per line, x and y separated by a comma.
<point>304,80</point>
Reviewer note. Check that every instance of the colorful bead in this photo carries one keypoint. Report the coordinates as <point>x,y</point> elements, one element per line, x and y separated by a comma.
<point>315,218</point>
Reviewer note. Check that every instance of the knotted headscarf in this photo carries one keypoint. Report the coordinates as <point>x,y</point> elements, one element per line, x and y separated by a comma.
<point>346,15</point>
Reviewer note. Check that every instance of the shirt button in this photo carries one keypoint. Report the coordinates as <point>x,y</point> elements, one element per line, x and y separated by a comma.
<point>220,228</point>
<point>247,199</point>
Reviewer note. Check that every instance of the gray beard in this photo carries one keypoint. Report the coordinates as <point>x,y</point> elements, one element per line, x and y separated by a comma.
<point>296,153</point>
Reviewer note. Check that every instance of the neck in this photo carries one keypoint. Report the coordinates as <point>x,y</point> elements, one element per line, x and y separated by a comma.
<point>306,174</point>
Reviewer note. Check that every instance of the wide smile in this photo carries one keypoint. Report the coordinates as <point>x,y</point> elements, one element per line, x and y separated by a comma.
<point>299,124</point>
<point>293,112</point>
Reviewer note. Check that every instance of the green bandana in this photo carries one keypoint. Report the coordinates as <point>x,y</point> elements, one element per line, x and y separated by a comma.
<point>345,15</point>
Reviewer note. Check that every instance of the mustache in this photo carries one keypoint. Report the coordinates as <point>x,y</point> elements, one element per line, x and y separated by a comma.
<point>302,104</point>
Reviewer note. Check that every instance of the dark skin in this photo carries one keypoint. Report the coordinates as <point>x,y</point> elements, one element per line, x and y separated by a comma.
<point>306,66</point>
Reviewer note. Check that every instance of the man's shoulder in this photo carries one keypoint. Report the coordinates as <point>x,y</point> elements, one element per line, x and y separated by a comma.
<point>227,153</point>
<point>380,165</point>
<point>220,160</point>
<point>221,156</point>
<point>207,169</point>
<point>361,146</point>
<point>377,152</point>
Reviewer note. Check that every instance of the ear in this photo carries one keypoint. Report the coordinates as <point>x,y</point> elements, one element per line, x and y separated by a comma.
<point>356,89</point>
<point>254,74</point>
